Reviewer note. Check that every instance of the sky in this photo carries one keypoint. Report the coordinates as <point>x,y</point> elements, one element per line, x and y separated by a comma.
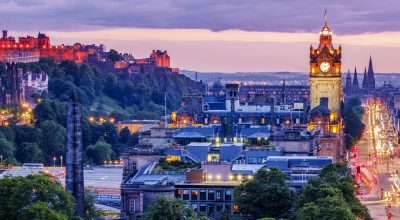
<point>218,35</point>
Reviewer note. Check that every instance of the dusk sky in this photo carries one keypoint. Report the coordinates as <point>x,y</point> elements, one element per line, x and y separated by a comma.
<point>218,35</point>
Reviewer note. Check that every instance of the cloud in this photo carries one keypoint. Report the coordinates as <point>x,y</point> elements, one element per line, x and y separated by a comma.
<point>347,17</point>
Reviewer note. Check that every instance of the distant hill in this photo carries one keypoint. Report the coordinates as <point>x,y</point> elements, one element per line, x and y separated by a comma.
<point>277,77</point>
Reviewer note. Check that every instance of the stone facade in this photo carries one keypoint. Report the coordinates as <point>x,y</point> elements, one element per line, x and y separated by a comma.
<point>74,181</point>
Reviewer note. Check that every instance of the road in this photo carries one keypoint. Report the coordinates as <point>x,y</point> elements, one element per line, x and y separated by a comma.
<point>375,163</point>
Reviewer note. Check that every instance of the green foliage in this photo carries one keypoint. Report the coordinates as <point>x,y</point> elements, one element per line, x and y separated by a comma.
<point>331,194</point>
<point>113,55</point>
<point>99,152</point>
<point>53,139</point>
<point>175,165</point>
<point>266,195</point>
<point>40,211</point>
<point>21,197</point>
<point>6,148</point>
<point>29,153</point>
<point>352,115</point>
<point>167,208</point>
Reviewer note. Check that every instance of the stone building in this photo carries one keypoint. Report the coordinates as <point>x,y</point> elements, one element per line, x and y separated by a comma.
<point>11,85</point>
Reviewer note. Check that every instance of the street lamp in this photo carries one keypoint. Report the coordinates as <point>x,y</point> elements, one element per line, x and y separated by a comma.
<point>61,158</point>
<point>1,159</point>
<point>54,161</point>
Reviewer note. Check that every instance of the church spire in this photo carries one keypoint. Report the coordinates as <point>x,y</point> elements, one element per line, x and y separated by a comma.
<point>371,75</point>
<point>355,79</point>
<point>365,79</point>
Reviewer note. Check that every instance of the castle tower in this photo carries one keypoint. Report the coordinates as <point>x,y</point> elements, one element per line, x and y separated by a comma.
<point>348,83</point>
<point>74,166</point>
<point>371,75</point>
<point>355,85</point>
<point>325,72</point>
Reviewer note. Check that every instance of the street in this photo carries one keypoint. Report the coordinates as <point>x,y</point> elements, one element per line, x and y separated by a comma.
<point>375,163</point>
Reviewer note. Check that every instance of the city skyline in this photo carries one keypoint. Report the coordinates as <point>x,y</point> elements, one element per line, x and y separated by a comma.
<point>211,37</point>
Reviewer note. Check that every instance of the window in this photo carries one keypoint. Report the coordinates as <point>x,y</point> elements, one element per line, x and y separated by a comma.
<point>177,193</point>
<point>219,207</point>
<point>185,194</point>
<point>194,207</point>
<point>202,207</point>
<point>219,194</point>
<point>235,208</point>
<point>195,194</point>
<point>211,194</point>
<point>203,194</point>
<point>132,205</point>
<point>228,195</point>
<point>228,208</point>
<point>211,208</point>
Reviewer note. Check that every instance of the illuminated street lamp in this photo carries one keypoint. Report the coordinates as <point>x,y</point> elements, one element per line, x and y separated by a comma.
<point>54,161</point>
<point>61,159</point>
<point>91,119</point>
<point>1,159</point>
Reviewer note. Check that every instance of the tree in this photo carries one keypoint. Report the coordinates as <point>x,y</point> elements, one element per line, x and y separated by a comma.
<point>266,195</point>
<point>53,139</point>
<point>167,208</point>
<point>326,208</point>
<point>28,153</point>
<point>99,152</point>
<point>20,197</point>
<point>333,186</point>
<point>113,55</point>
<point>40,211</point>
<point>124,135</point>
<point>352,115</point>
<point>6,148</point>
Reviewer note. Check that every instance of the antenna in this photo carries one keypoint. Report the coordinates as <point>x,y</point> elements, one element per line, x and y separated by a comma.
<point>325,15</point>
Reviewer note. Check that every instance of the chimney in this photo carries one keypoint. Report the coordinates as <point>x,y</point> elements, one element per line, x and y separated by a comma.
<point>4,33</point>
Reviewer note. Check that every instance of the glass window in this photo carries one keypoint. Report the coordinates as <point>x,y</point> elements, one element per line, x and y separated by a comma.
<point>185,194</point>
<point>211,208</point>
<point>202,207</point>
<point>235,208</point>
<point>228,195</point>
<point>203,194</point>
<point>218,194</point>
<point>132,205</point>
<point>211,194</point>
<point>177,193</point>
<point>219,207</point>
<point>194,207</point>
<point>228,208</point>
<point>195,194</point>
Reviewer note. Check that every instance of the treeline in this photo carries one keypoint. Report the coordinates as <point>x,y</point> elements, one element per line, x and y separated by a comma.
<point>107,95</point>
<point>329,196</point>
<point>46,139</point>
<point>353,113</point>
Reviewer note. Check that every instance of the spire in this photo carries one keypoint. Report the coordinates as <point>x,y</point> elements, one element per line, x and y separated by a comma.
<point>365,79</point>
<point>355,79</point>
<point>348,83</point>
<point>371,75</point>
<point>370,68</point>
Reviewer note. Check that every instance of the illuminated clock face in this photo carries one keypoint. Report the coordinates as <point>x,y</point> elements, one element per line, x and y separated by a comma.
<point>324,67</point>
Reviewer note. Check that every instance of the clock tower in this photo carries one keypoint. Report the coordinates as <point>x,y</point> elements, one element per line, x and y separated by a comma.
<point>325,73</point>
